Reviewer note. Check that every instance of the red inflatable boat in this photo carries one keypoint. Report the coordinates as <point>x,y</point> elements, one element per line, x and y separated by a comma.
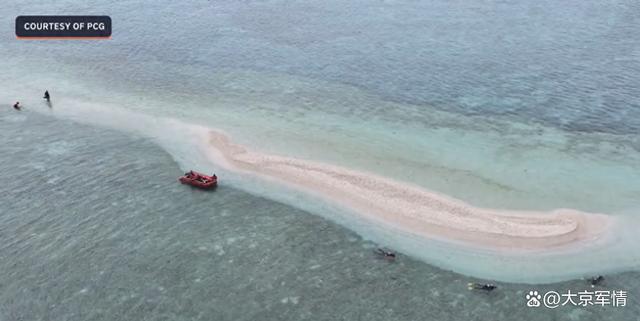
<point>199,180</point>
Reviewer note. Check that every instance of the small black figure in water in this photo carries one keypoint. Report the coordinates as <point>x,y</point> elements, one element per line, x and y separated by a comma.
<point>46,95</point>
<point>484,287</point>
<point>387,255</point>
<point>16,106</point>
<point>596,280</point>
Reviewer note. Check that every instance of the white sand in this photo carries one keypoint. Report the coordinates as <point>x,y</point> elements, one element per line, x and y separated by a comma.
<point>414,209</point>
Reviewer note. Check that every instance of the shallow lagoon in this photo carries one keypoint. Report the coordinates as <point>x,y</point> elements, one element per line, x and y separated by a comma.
<point>114,237</point>
<point>506,104</point>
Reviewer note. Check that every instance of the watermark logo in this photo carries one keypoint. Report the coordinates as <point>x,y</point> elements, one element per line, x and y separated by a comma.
<point>533,299</point>
<point>63,27</point>
<point>554,299</point>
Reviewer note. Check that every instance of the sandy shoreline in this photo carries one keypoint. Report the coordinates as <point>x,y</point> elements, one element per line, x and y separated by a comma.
<point>414,209</point>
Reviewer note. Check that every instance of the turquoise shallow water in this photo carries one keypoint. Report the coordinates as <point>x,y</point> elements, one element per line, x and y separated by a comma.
<point>503,104</point>
<point>460,99</point>
<point>114,237</point>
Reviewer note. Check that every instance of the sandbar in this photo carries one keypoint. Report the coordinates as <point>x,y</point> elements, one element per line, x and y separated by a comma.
<point>414,209</point>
